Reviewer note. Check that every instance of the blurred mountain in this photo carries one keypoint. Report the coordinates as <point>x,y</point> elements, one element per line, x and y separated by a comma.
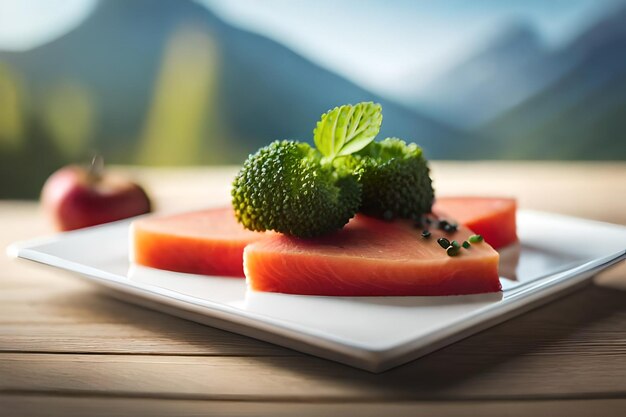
<point>504,72</point>
<point>135,62</point>
<point>582,114</point>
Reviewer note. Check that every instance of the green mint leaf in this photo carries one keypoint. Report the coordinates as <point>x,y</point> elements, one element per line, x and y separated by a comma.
<point>347,129</point>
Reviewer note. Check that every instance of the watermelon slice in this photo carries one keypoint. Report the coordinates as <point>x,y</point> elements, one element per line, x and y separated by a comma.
<point>208,242</point>
<point>371,257</point>
<point>493,218</point>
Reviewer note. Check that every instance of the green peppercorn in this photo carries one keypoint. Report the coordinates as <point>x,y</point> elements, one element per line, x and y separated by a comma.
<point>443,242</point>
<point>452,251</point>
<point>475,239</point>
<point>456,244</point>
<point>426,233</point>
<point>466,244</point>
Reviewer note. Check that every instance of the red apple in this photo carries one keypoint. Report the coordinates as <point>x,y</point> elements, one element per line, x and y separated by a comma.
<point>76,197</point>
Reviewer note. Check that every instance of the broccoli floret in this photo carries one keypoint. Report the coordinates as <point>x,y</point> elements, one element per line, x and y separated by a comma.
<point>395,179</point>
<point>284,187</point>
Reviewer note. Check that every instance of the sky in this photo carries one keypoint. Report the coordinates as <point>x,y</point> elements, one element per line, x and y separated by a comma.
<point>378,43</point>
<point>373,42</point>
<point>25,24</point>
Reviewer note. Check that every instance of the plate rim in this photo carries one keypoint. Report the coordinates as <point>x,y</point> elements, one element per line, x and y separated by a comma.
<point>312,341</point>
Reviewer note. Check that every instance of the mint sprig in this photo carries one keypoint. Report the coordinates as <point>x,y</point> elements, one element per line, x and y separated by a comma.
<point>347,129</point>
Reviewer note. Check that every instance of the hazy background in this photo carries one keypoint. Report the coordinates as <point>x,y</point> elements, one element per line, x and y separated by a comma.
<point>177,82</point>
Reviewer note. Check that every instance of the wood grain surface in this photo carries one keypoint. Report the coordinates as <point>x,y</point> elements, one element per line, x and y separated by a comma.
<point>68,349</point>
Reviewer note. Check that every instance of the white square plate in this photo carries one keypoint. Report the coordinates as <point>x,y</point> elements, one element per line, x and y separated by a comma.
<point>372,333</point>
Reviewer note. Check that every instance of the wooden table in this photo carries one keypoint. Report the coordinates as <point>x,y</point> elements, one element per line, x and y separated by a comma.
<point>68,349</point>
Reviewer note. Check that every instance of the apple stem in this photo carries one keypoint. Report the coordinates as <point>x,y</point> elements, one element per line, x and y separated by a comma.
<point>96,168</point>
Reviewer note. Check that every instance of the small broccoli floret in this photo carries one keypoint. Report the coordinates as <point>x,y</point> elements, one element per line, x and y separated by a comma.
<point>285,188</point>
<point>395,179</point>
